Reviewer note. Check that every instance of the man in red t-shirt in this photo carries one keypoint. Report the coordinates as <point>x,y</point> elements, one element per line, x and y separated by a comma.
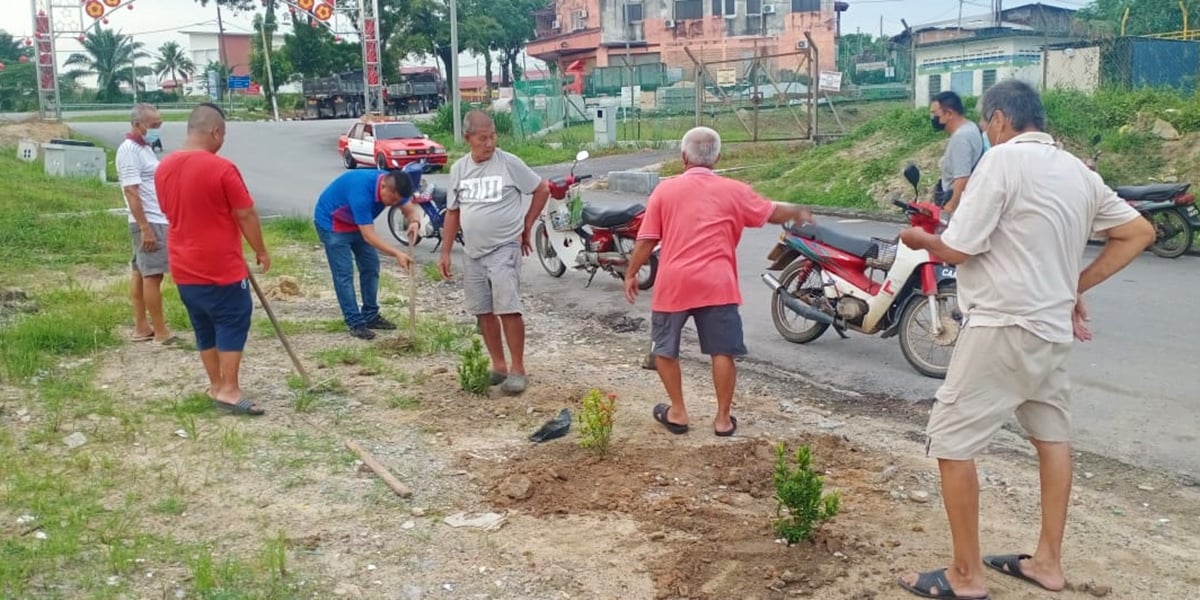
<point>698,217</point>
<point>210,209</point>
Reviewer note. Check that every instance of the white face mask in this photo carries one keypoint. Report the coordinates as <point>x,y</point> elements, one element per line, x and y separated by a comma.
<point>151,136</point>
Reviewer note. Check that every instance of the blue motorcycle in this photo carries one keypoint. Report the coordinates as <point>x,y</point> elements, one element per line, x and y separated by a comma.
<point>433,209</point>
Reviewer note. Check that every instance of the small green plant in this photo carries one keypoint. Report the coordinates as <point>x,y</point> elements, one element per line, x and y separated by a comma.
<point>473,369</point>
<point>799,492</point>
<point>404,402</point>
<point>596,421</point>
<point>432,272</point>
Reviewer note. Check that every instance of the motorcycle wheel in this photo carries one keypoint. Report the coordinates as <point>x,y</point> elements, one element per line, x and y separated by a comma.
<point>545,252</point>
<point>1173,234</point>
<point>649,271</point>
<point>911,325</point>
<point>398,225</point>
<point>802,279</point>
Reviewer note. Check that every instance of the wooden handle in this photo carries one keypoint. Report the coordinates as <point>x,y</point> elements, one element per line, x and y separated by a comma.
<point>368,459</point>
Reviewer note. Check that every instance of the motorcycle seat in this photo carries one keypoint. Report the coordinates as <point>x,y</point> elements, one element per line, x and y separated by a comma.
<point>862,248</point>
<point>610,216</point>
<point>1153,192</point>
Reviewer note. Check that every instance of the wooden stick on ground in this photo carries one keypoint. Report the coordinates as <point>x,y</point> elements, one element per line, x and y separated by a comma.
<point>412,291</point>
<point>278,330</point>
<point>368,459</point>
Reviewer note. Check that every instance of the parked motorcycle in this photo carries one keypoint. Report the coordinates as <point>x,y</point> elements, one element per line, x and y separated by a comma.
<point>1168,206</point>
<point>433,209</point>
<point>570,232</point>
<point>828,279</point>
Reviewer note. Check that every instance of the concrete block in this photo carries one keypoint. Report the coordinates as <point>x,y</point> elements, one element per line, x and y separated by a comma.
<point>632,182</point>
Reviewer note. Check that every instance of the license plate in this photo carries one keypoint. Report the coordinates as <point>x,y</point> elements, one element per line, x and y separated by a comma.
<point>948,271</point>
<point>1191,211</point>
<point>777,251</point>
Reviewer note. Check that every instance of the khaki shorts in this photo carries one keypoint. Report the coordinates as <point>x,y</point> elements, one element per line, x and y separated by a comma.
<point>492,282</point>
<point>154,262</point>
<point>994,373</point>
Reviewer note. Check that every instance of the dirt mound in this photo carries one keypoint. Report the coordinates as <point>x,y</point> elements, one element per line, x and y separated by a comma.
<point>711,506</point>
<point>30,129</point>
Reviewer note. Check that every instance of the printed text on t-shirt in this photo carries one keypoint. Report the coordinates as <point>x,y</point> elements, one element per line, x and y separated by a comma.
<point>481,189</point>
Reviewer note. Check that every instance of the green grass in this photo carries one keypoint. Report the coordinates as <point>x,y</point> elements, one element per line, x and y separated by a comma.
<point>70,322</point>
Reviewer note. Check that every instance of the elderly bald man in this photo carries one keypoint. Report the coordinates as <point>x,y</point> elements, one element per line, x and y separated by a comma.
<point>699,217</point>
<point>210,210</point>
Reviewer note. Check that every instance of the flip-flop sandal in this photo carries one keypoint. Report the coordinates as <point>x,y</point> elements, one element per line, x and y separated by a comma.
<point>141,338</point>
<point>1010,564</point>
<point>171,341</point>
<point>729,431</point>
<point>936,579</point>
<point>660,415</point>
<point>245,406</point>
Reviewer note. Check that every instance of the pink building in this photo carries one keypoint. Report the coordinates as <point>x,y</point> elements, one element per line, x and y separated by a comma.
<point>601,33</point>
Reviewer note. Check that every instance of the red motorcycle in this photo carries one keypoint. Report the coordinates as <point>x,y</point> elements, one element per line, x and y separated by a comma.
<point>591,239</point>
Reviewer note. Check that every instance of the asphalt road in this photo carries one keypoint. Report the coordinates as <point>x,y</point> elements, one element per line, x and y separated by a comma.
<point>1134,392</point>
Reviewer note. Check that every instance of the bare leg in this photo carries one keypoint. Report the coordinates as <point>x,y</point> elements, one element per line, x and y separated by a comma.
<point>152,296</point>
<point>489,328</point>
<point>960,493</point>
<point>724,373</point>
<point>1054,462</point>
<point>229,363</point>
<point>672,380</point>
<point>514,334</point>
<point>140,326</point>
<point>212,366</point>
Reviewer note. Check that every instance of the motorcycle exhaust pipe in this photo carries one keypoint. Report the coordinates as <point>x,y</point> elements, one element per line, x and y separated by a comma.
<point>613,259</point>
<point>794,304</point>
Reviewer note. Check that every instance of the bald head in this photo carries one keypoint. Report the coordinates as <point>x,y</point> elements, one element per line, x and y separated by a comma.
<point>206,127</point>
<point>205,118</point>
<point>480,133</point>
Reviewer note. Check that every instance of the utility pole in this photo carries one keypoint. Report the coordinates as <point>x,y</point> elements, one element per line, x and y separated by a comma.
<point>225,70</point>
<point>267,60</point>
<point>133,71</point>
<point>455,97</point>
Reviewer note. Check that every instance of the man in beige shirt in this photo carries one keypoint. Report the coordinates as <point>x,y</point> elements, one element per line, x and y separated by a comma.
<point>1018,238</point>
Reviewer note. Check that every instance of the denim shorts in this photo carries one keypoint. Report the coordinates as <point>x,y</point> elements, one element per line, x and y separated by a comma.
<point>220,314</point>
<point>719,329</point>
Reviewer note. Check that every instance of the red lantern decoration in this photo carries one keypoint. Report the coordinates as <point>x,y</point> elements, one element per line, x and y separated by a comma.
<point>130,7</point>
<point>28,42</point>
<point>105,21</point>
<point>23,59</point>
<point>1,66</point>
<point>82,38</point>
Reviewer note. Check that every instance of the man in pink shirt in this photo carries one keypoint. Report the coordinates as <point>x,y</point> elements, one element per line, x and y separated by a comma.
<point>699,217</point>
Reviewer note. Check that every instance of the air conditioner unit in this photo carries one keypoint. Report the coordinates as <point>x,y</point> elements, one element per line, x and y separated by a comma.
<point>556,25</point>
<point>802,45</point>
<point>582,14</point>
<point>768,9</point>
<point>670,23</point>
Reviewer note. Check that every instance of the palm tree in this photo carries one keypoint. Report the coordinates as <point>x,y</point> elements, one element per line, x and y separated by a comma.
<point>173,61</point>
<point>109,56</point>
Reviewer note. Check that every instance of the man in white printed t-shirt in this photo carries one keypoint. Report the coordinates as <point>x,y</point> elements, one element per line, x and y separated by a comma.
<point>136,163</point>
<point>487,189</point>
<point>1018,238</point>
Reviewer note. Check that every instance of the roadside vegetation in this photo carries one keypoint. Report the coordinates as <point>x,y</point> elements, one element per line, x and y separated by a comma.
<point>862,169</point>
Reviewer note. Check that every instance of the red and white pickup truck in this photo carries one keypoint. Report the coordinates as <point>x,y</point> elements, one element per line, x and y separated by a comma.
<point>389,145</point>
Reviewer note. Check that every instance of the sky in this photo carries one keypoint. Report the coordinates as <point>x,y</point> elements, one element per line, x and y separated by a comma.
<point>154,22</point>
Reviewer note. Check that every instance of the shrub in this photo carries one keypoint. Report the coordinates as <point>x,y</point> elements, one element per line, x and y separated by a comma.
<point>473,369</point>
<point>799,492</point>
<point>596,421</point>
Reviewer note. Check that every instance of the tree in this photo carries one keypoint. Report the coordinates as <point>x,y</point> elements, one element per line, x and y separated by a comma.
<point>516,29</point>
<point>313,52</point>
<point>18,79</point>
<point>174,62</point>
<point>236,5</point>
<point>281,69</point>
<point>1145,16</point>
<point>109,56</point>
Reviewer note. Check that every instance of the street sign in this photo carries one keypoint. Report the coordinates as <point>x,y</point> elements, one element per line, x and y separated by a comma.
<point>830,81</point>
<point>239,82</point>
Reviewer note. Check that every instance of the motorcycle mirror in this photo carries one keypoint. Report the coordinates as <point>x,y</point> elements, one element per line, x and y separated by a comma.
<point>912,174</point>
<point>583,154</point>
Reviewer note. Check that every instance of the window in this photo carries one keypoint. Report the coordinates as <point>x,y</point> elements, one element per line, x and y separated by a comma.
<point>716,6</point>
<point>689,9</point>
<point>633,12</point>
<point>357,132</point>
<point>754,7</point>
<point>989,79</point>
<point>806,5</point>
<point>578,20</point>
<point>935,86</point>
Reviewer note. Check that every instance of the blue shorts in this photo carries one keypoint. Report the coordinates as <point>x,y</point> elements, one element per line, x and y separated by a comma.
<point>220,314</point>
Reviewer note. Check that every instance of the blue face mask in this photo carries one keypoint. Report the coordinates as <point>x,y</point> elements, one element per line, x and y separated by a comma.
<point>986,143</point>
<point>151,136</point>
